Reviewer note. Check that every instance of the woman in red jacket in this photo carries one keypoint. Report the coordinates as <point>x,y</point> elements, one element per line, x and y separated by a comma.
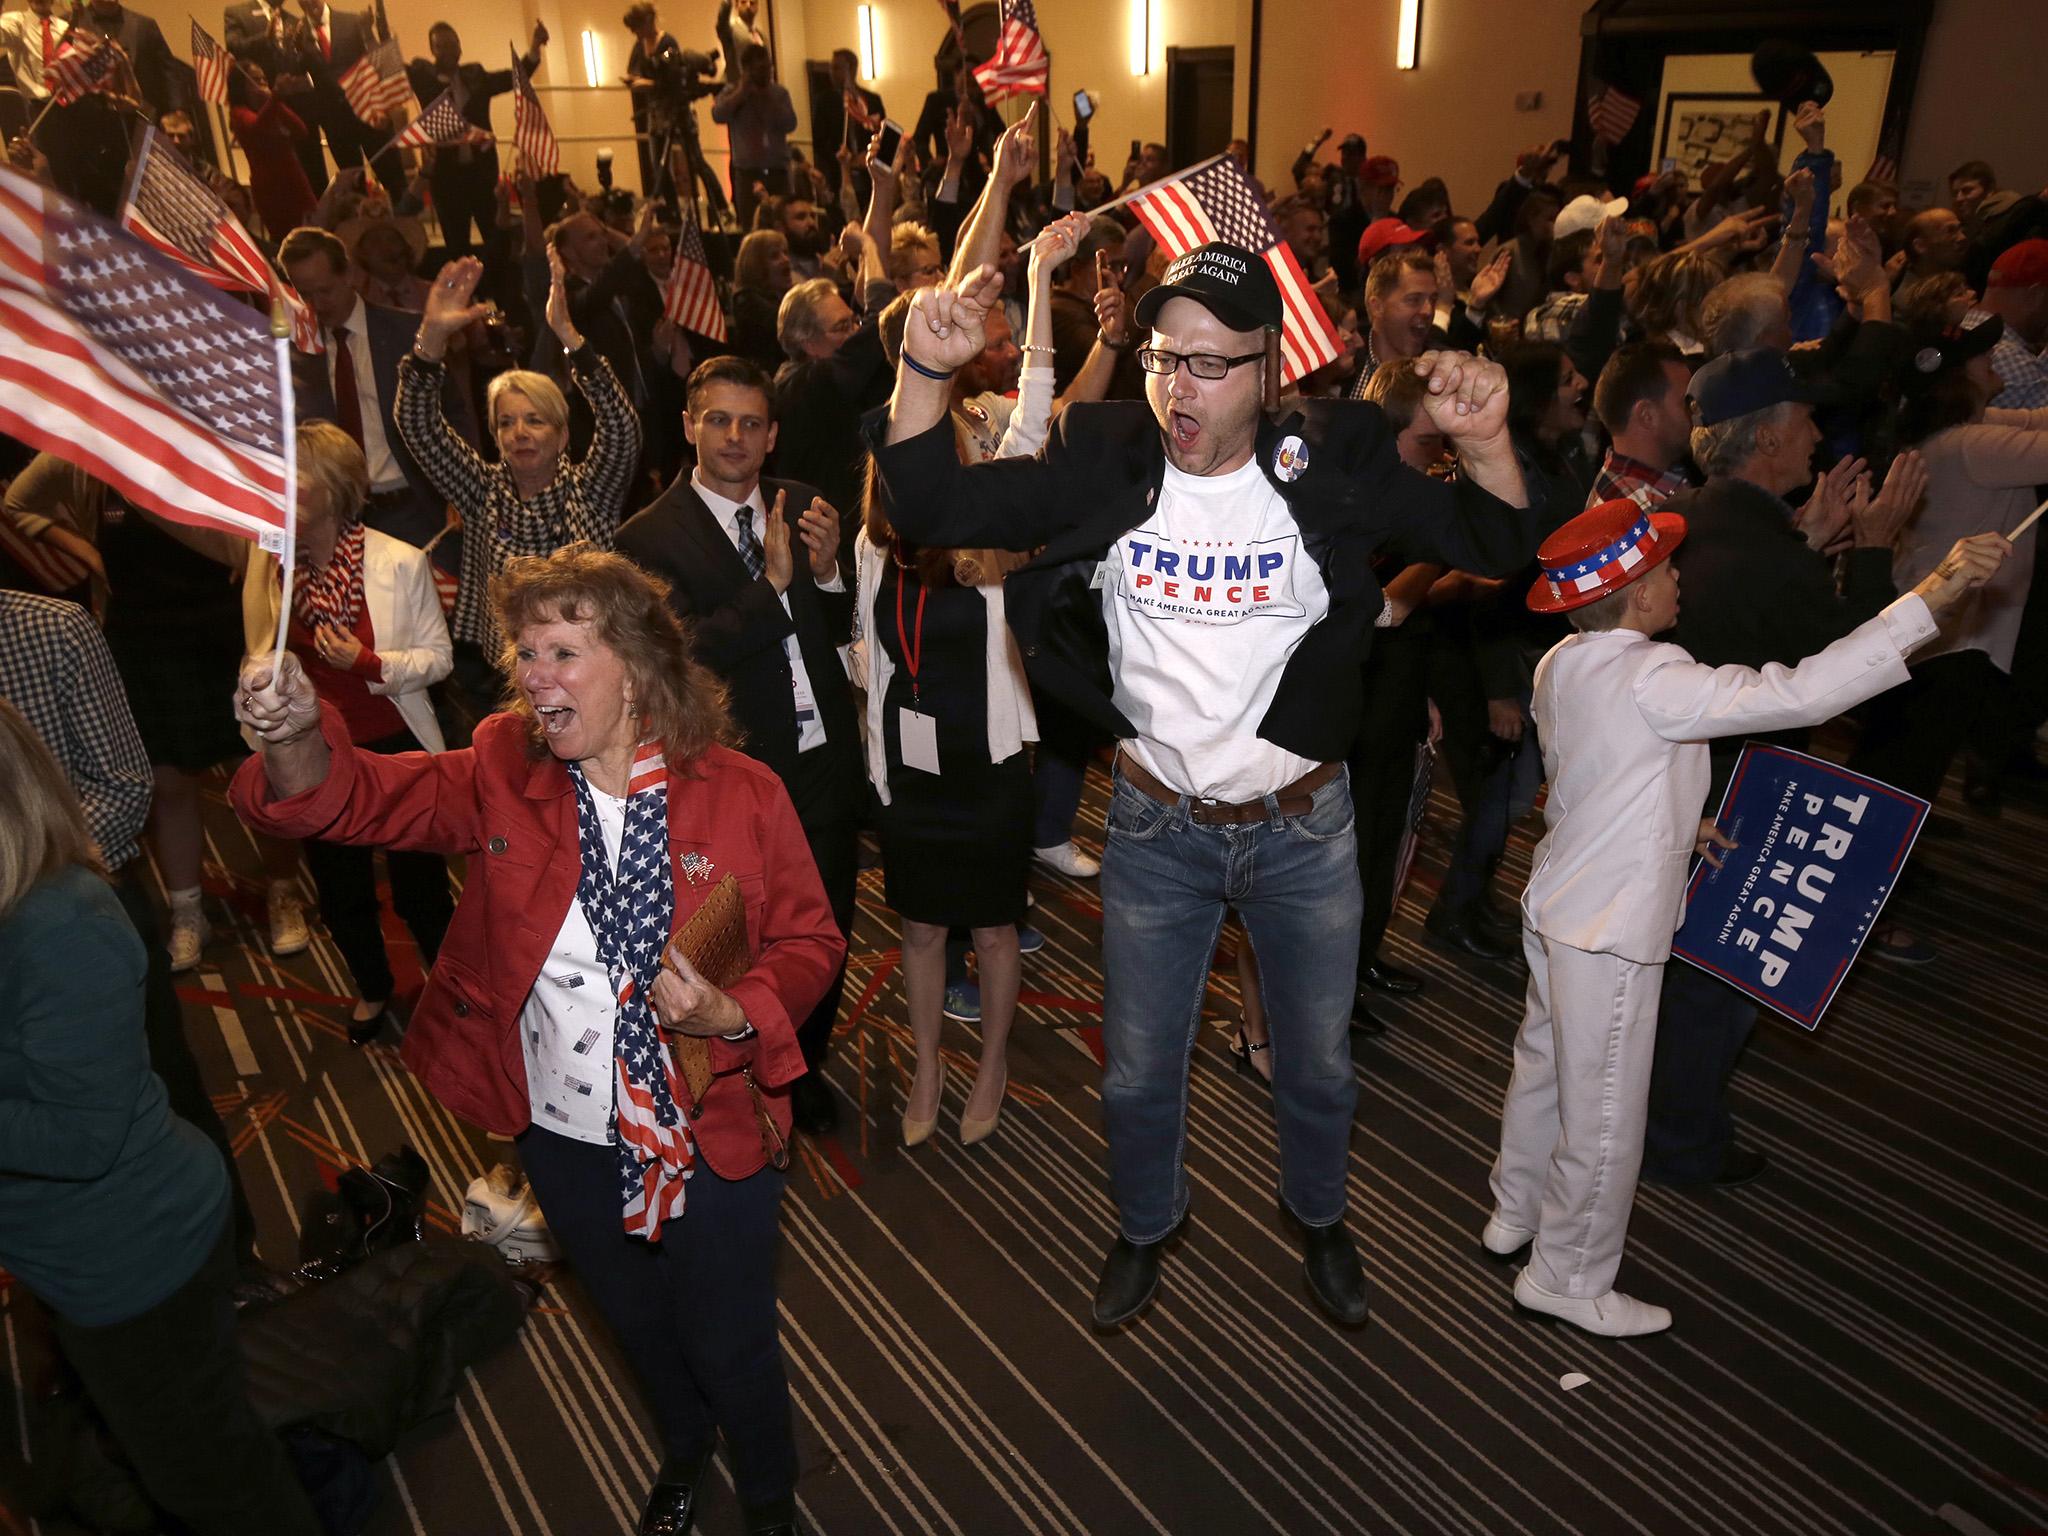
<point>269,133</point>
<point>598,813</point>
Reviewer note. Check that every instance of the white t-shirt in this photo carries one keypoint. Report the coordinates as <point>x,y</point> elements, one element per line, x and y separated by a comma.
<point>1206,601</point>
<point>565,1028</point>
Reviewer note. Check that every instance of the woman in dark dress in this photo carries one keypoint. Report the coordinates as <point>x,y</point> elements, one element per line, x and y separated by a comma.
<point>948,716</point>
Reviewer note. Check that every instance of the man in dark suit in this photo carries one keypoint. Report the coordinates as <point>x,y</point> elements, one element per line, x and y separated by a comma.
<point>88,140</point>
<point>324,46</point>
<point>754,565</point>
<point>465,177</point>
<point>354,383</point>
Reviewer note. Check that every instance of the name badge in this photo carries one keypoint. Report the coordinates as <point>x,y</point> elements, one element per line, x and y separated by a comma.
<point>919,737</point>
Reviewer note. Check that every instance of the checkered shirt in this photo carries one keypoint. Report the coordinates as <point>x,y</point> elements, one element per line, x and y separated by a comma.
<point>1623,477</point>
<point>2025,373</point>
<point>56,669</point>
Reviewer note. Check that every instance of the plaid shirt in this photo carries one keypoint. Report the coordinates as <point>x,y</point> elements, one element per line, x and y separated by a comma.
<point>56,669</point>
<point>1552,319</point>
<point>583,503</point>
<point>1622,477</point>
<point>2024,373</point>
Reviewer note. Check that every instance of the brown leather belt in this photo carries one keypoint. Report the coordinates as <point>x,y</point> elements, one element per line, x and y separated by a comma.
<point>1294,799</point>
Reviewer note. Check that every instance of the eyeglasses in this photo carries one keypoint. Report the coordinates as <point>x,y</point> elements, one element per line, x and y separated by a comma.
<point>844,327</point>
<point>1203,365</point>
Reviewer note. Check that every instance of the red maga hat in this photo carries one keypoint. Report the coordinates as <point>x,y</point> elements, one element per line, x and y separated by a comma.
<point>1601,551</point>
<point>1390,234</point>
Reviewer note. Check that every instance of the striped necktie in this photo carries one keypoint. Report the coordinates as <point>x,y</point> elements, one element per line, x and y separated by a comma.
<point>755,558</point>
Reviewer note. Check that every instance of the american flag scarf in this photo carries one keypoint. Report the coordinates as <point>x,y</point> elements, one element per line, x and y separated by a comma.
<point>334,593</point>
<point>630,913</point>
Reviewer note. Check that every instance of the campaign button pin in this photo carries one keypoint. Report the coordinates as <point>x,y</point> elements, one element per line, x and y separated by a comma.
<point>1291,460</point>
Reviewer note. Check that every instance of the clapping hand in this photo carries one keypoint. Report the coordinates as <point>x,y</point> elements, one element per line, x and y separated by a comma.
<point>1885,514</point>
<point>684,1003</point>
<point>946,324</point>
<point>780,563</point>
<point>1486,282</point>
<point>1830,512</point>
<point>448,303</point>
<point>818,527</point>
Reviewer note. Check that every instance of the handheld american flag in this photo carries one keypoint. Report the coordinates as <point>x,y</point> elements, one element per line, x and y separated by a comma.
<point>123,362</point>
<point>439,122</point>
<point>1214,201</point>
<point>375,84</point>
<point>82,67</point>
<point>539,154</point>
<point>691,300</point>
<point>209,67</point>
<point>1611,112</point>
<point>1019,67</point>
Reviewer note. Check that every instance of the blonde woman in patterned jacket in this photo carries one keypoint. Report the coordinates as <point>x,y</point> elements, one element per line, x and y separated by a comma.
<point>534,499</point>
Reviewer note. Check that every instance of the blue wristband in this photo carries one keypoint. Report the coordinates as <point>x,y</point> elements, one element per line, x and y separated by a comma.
<point>916,367</point>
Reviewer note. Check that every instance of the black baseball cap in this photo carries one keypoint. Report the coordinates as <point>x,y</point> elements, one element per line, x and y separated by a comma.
<point>1230,282</point>
<point>1353,142</point>
<point>1937,350</point>
<point>1754,379</point>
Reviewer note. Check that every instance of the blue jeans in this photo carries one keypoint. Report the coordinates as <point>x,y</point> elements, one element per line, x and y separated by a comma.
<point>1166,884</point>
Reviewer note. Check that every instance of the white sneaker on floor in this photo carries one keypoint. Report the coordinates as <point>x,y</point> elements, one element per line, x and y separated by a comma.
<point>1613,1316</point>
<point>288,934</point>
<point>1069,860</point>
<point>1501,1238</point>
<point>189,935</point>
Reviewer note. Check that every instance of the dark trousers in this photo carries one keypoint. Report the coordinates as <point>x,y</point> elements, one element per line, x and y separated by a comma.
<point>817,785</point>
<point>694,1315</point>
<point>1911,732</point>
<point>774,180</point>
<point>1702,1026</point>
<point>466,193</point>
<point>468,693</point>
<point>170,1053</point>
<point>170,1385</point>
<point>1382,762</point>
<point>346,878</point>
<point>1059,769</point>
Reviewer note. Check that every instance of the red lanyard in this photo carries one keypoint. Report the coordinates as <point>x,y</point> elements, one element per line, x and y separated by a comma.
<point>912,654</point>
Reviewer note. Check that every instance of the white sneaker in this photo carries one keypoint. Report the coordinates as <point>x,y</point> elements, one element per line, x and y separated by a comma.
<point>1502,1238</point>
<point>1069,860</point>
<point>288,934</point>
<point>1613,1316</point>
<point>189,935</point>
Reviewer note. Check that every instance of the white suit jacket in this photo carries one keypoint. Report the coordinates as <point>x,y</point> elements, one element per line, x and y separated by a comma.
<point>1624,721</point>
<point>405,616</point>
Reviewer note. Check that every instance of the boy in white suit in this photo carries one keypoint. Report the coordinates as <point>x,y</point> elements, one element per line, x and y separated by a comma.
<point>1624,723</point>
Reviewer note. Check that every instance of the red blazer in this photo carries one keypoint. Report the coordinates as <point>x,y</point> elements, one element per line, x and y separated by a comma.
<point>516,819</point>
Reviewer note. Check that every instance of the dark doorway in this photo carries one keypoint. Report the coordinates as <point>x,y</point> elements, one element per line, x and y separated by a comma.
<point>828,118</point>
<point>1200,86</point>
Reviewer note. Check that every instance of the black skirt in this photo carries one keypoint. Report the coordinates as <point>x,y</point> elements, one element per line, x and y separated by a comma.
<point>956,845</point>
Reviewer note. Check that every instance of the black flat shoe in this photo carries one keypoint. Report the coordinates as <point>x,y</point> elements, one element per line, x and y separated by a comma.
<point>1390,979</point>
<point>812,1108</point>
<point>1244,1056</point>
<point>671,1507</point>
<point>1460,935</point>
<point>1130,1276</point>
<point>1363,1020</point>
<point>362,1031</point>
<point>1335,1278</point>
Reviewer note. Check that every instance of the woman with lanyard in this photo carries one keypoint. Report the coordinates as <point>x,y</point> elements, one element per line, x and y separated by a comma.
<point>367,627</point>
<point>600,813</point>
<point>535,498</point>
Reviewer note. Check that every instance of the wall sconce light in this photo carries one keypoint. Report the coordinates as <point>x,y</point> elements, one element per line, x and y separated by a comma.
<point>1141,37</point>
<point>590,73</point>
<point>1405,38</point>
<point>870,68</point>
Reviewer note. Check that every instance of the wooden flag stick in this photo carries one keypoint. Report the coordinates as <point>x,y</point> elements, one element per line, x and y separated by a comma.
<point>2027,522</point>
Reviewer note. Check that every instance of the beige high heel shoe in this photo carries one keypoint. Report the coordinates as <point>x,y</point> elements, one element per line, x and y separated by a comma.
<point>975,1128</point>
<point>916,1131</point>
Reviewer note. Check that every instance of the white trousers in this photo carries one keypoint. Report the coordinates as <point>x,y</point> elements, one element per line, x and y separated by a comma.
<point>1571,1134</point>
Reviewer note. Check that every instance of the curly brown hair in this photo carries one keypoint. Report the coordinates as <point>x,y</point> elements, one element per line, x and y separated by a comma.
<point>683,703</point>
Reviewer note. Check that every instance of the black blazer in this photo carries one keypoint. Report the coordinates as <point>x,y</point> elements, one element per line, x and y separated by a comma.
<point>1096,479</point>
<point>391,337</point>
<point>739,624</point>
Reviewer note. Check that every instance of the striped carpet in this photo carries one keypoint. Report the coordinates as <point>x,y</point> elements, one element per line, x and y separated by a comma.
<point>1859,1337</point>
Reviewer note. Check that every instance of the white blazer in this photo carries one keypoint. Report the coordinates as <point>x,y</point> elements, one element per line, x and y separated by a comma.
<point>405,615</point>
<point>1624,721</point>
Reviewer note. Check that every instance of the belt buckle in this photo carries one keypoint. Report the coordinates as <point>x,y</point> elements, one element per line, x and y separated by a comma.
<point>1201,811</point>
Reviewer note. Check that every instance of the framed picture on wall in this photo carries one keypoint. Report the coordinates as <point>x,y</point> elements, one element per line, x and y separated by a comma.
<point>1703,128</point>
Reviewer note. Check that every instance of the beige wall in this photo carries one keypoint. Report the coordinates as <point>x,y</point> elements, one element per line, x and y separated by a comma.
<point>1980,97</point>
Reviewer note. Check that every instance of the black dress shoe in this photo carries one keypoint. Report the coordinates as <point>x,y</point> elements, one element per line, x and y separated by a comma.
<point>1498,924</point>
<point>1363,1020</point>
<point>1335,1278</point>
<point>1741,1165</point>
<point>812,1107</point>
<point>362,1031</point>
<point>1392,980</point>
<point>672,1506</point>
<point>1461,935</point>
<point>1130,1275</point>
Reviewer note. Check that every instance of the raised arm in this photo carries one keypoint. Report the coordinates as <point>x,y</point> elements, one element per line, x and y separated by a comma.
<point>608,464</point>
<point>450,464</point>
<point>1016,151</point>
<point>1485,521</point>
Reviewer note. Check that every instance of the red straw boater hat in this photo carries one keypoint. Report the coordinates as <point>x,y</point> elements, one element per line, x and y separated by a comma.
<point>1601,551</point>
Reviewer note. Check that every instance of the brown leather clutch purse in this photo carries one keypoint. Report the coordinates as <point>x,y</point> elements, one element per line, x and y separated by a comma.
<point>714,941</point>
